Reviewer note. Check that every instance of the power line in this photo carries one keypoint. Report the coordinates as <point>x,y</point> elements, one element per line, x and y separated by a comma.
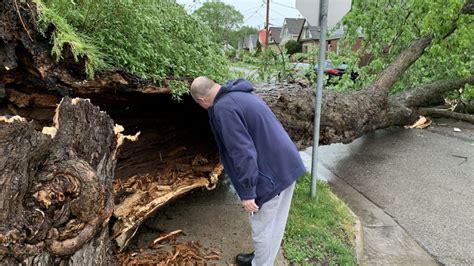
<point>250,9</point>
<point>278,4</point>
<point>256,11</point>
<point>274,11</point>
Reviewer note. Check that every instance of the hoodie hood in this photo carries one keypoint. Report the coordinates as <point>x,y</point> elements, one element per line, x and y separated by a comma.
<point>234,85</point>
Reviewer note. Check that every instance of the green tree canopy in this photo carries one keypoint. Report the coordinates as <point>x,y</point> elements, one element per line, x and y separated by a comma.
<point>221,18</point>
<point>293,47</point>
<point>389,26</point>
<point>151,39</point>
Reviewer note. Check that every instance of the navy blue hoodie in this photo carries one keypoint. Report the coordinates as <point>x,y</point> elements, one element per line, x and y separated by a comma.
<point>257,153</point>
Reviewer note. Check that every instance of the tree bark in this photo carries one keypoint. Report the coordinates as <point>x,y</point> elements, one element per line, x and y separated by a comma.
<point>346,116</point>
<point>56,186</point>
<point>447,113</point>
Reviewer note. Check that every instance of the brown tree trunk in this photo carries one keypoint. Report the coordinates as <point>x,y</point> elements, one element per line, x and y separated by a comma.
<point>56,186</point>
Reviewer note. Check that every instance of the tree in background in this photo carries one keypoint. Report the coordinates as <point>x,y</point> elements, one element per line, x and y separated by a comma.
<point>390,26</point>
<point>221,18</point>
<point>293,47</point>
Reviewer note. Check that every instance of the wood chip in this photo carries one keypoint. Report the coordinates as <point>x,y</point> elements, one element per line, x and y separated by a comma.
<point>167,236</point>
<point>189,253</point>
<point>421,123</point>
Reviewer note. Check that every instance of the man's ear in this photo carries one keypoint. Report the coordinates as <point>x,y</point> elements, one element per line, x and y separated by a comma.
<point>201,100</point>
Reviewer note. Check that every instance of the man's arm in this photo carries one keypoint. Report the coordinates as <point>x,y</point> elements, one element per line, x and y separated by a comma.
<point>240,149</point>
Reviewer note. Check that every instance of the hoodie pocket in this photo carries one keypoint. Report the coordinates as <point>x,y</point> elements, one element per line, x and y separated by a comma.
<point>265,184</point>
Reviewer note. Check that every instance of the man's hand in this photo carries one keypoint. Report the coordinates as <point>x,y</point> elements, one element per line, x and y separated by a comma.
<point>249,205</point>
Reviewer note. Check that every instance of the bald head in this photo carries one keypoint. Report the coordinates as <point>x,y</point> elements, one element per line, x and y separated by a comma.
<point>204,91</point>
<point>201,87</point>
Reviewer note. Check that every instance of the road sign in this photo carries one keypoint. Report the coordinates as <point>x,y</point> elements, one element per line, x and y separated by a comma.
<point>336,10</point>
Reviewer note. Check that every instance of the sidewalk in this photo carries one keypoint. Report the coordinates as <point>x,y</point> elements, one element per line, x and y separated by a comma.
<point>214,218</point>
<point>413,191</point>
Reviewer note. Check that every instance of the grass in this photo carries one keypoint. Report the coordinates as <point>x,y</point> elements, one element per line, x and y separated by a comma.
<point>319,231</point>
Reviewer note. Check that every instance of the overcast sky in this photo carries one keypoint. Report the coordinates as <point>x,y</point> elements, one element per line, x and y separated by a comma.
<point>254,10</point>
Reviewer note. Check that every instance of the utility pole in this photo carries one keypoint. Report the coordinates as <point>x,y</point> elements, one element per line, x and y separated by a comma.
<point>266,24</point>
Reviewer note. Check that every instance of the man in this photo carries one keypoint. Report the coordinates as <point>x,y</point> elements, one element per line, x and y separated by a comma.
<point>258,156</point>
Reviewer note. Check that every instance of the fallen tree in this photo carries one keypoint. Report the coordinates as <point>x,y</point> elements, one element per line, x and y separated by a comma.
<point>61,187</point>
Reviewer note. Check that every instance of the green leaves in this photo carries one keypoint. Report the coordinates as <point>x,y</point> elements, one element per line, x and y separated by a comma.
<point>390,26</point>
<point>221,18</point>
<point>151,39</point>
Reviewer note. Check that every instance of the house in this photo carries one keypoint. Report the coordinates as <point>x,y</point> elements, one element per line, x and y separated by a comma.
<point>249,43</point>
<point>309,38</point>
<point>274,38</point>
<point>291,29</point>
<point>334,44</point>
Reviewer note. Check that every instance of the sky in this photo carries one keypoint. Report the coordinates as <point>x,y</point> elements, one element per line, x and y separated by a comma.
<point>254,10</point>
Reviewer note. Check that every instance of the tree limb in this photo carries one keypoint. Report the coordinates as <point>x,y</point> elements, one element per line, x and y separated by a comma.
<point>430,94</point>
<point>409,56</point>
<point>447,113</point>
<point>403,61</point>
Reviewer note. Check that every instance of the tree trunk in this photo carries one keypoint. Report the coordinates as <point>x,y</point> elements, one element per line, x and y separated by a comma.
<point>56,186</point>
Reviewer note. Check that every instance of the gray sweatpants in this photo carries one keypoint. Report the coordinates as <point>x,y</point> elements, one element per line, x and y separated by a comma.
<point>268,226</point>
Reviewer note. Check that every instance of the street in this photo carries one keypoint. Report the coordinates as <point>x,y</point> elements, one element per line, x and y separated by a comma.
<point>423,179</point>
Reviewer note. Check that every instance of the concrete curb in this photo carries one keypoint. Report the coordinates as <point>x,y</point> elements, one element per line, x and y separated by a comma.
<point>359,238</point>
<point>379,239</point>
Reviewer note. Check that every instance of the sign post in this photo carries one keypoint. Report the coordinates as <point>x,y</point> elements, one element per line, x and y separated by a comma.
<point>336,11</point>
<point>323,14</point>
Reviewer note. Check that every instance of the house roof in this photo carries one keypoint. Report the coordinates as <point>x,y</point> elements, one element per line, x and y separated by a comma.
<point>275,33</point>
<point>294,25</point>
<point>335,34</point>
<point>314,30</point>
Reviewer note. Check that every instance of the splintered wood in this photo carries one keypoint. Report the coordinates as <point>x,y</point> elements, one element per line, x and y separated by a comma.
<point>190,253</point>
<point>153,171</point>
<point>166,237</point>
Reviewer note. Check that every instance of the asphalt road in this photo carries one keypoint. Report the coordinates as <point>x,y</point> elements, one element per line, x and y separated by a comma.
<point>423,179</point>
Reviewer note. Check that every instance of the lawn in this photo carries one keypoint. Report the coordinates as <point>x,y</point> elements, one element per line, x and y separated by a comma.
<point>319,231</point>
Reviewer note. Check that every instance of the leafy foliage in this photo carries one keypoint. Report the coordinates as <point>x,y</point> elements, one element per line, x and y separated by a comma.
<point>293,47</point>
<point>151,39</point>
<point>66,34</point>
<point>266,65</point>
<point>389,26</point>
<point>221,18</point>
